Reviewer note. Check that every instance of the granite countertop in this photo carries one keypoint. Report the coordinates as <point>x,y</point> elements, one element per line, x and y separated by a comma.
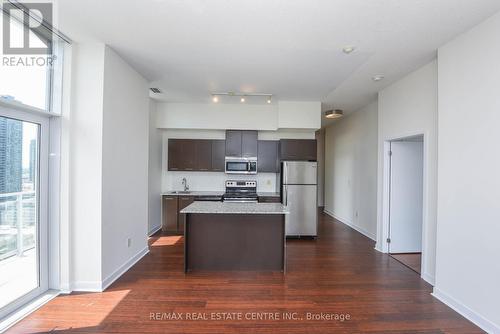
<point>236,208</point>
<point>212,193</point>
<point>193,193</point>
<point>266,194</point>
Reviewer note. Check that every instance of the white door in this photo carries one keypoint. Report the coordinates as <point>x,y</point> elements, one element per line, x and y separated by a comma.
<point>406,197</point>
<point>23,208</point>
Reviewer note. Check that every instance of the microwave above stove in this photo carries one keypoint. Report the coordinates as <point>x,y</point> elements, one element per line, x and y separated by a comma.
<point>236,165</point>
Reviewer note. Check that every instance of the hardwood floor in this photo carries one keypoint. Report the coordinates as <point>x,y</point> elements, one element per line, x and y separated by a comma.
<point>339,273</point>
<point>411,260</point>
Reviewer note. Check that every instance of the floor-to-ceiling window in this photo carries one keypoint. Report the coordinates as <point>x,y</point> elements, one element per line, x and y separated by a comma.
<point>30,94</point>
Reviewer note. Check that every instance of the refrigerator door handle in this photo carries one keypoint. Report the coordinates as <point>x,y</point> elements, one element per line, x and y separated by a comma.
<point>285,196</point>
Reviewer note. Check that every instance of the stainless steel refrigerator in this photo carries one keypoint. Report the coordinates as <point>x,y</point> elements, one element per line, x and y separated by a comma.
<point>298,181</point>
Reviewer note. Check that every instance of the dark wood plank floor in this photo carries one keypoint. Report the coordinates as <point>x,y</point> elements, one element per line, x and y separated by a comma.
<point>412,260</point>
<point>339,273</point>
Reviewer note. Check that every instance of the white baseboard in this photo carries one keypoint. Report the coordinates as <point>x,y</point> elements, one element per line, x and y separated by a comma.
<point>428,278</point>
<point>154,230</point>
<point>351,225</point>
<point>124,268</point>
<point>86,286</point>
<point>469,314</point>
<point>377,248</point>
<point>96,286</point>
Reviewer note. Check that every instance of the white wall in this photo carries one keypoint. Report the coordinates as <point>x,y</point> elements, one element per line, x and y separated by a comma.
<point>124,164</point>
<point>85,164</point>
<point>468,247</point>
<point>213,181</point>
<point>108,167</point>
<point>155,170</point>
<point>407,108</point>
<point>299,114</point>
<point>217,116</point>
<point>351,170</point>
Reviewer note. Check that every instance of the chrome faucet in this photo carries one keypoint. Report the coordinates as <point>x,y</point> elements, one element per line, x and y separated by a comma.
<point>185,184</point>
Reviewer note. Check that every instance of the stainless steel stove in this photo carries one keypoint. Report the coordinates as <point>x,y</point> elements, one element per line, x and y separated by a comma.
<point>241,191</point>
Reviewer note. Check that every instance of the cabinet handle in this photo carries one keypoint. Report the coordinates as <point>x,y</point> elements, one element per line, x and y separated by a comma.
<point>203,169</point>
<point>189,169</point>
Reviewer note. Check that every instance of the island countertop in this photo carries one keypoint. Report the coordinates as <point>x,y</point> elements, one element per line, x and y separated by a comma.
<point>236,208</point>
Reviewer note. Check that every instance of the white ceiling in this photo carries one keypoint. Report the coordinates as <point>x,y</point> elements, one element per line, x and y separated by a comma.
<point>290,48</point>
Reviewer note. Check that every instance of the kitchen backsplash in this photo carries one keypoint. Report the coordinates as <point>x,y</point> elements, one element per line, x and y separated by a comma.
<point>210,181</point>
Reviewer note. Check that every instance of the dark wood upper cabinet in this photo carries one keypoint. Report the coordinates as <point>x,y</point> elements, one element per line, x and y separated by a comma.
<point>249,144</point>
<point>233,143</point>
<point>173,162</point>
<point>241,143</point>
<point>196,155</point>
<point>203,155</point>
<point>218,155</point>
<point>298,149</point>
<point>181,154</point>
<point>267,157</point>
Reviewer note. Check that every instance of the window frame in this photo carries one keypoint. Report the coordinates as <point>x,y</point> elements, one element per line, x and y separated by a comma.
<point>43,201</point>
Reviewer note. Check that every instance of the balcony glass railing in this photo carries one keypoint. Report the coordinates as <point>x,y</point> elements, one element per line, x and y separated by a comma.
<point>18,216</point>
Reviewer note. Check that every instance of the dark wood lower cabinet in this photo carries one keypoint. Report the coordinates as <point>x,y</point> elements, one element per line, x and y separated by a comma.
<point>173,220</point>
<point>235,242</point>
<point>181,218</point>
<point>170,213</point>
<point>269,199</point>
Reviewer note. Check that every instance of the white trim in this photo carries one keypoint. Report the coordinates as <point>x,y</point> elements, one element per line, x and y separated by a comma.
<point>428,278</point>
<point>124,268</point>
<point>469,314</point>
<point>15,105</point>
<point>154,230</point>
<point>351,225</point>
<point>22,312</point>
<point>42,249</point>
<point>377,248</point>
<point>96,286</point>
<point>85,286</point>
<point>382,245</point>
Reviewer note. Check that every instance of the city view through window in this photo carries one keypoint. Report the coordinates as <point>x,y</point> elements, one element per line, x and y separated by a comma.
<point>18,208</point>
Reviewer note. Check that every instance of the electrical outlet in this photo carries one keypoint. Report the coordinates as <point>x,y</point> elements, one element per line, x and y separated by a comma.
<point>357,214</point>
<point>129,242</point>
<point>268,182</point>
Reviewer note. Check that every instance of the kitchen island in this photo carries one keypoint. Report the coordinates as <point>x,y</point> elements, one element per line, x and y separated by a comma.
<point>234,236</point>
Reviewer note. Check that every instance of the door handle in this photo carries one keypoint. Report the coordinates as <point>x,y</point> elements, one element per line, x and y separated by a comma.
<point>285,196</point>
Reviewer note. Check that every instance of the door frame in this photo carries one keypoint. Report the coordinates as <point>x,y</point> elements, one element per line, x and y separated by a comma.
<point>386,184</point>
<point>43,209</point>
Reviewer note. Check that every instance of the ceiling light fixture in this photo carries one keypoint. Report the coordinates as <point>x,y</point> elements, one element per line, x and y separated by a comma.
<point>243,96</point>
<point>332,114</point>
<point>378,77</point>
<point>348,49</point>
